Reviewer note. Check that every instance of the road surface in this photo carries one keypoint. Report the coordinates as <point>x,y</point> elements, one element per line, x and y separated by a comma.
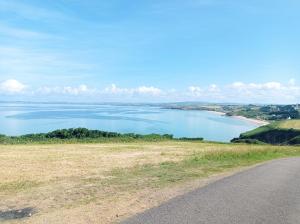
<point>268,194</point>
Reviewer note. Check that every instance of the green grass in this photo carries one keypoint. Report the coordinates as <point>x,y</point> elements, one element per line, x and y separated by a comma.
<point>24,141</point>
<point>258,130</point>
<point>196,166</point>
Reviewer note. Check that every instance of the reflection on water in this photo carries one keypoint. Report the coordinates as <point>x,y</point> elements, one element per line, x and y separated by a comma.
<point>21,118</point>
<point>75,114</point>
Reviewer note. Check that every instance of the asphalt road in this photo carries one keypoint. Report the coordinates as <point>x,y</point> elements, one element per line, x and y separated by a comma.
<point>269,193</point>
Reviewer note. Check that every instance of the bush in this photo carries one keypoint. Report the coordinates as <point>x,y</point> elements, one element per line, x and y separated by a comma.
<point>190,139</point>
<point>74,135</point>
<point>247,141</point>
<point>80,133</point>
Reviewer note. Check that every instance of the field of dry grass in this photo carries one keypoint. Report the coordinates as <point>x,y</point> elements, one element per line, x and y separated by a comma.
<point>295,124</point>
<point>103,183</point>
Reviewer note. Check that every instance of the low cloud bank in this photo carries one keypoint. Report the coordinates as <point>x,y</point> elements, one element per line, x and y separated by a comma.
<point>238,92</point>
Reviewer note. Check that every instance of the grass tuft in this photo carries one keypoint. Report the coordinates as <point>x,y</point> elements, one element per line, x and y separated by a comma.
<point>17,186</point>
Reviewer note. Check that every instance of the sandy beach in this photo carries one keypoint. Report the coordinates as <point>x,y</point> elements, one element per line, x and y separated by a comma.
<point>217,112</point>
<point>252,120</point>
<point>255,121</point>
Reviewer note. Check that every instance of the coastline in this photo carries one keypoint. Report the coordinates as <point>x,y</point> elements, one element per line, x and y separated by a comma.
<point>252,120</point>
<point>255,121</point>
<point>217,112</point>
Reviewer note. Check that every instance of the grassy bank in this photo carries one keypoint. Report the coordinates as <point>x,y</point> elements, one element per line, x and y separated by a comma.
<point>107,182</point>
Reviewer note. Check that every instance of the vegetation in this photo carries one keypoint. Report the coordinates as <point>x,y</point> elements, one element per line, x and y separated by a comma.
<point>270,112</point>
<point>247,141</point>
<point>72,183</point>
<point>200,164</point>
<point>288,124</point>
<point>262,112</point>
<point>294,141</point>
<point>281,133</point>
<point>83,135</point>
<point>190,139</point>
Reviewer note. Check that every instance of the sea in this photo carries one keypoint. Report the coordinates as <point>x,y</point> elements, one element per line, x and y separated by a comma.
<point>18,118</point>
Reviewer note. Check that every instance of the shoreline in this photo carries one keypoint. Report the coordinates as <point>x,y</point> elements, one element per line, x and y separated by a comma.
<point>217,112</point>
<point>252,120</point>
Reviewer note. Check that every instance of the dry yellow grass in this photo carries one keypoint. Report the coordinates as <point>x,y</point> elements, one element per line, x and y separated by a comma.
<point>287,124</point>
<point>81,183</point>
<point>52,178</point>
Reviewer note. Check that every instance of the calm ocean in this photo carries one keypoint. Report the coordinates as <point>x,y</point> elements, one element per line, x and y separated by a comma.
<point>24,118</point>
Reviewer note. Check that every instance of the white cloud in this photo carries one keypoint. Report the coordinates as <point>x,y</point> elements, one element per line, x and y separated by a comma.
<point>148,90</point>
<point>259,86</point>
<point>292,82</point>
<point>269,92</point>
<point>240,92</point>
<point>237,92</point>
<point>211,92</point>
<point>77,90</point>
<point>67,90</point>
<point>213,88</point>
<point>12,86</point>
<point>237,85</point>
<point>195,91</point>
<point>272,85</point>
<point>143,90</point>
<point>113,89</point>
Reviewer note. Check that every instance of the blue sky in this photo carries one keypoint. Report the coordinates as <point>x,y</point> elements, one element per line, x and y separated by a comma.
<point>150,50</point>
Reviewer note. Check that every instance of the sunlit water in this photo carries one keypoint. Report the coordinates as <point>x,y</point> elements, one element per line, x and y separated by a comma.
<point>24,118</point>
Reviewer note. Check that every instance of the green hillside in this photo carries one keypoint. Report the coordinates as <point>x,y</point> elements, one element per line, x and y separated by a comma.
<point>285,132</point>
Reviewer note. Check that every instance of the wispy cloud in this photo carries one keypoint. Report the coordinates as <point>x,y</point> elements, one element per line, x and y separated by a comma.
<point>171,7</point>
<point>29,11</point>
<point>274,92</point>
<point>269,92</point>
<point>147,90</point>
<point>68,90</point>
<point>21,33</point>
<point>42,63</point>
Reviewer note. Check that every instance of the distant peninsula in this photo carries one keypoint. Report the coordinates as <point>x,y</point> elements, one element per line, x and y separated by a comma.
<point>264,113</point>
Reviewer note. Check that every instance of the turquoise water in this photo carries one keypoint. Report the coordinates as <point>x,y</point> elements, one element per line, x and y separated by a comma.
<point>24,118</point>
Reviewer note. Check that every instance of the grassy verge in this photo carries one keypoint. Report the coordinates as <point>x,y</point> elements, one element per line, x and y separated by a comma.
<point>196,166</point>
